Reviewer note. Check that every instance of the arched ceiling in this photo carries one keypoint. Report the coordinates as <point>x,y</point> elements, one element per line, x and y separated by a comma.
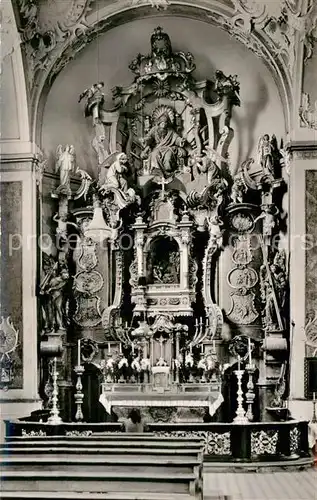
<point>279,32</point>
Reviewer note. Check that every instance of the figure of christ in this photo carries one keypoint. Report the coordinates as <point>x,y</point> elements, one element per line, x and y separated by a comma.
<point>164,147</point>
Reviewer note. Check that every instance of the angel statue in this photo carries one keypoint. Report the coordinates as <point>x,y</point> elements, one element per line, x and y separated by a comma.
<point>163,146</point>
<point>115,179</point>
<point>94,101</point>
<point>65,164</point>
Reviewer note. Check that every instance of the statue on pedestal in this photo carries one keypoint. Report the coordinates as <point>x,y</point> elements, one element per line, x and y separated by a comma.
<point>65,164</point>
<point>52,289</point>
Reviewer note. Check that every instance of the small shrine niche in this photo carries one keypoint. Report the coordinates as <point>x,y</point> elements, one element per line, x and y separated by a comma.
<point>152,233</point>
<point>163,262</point>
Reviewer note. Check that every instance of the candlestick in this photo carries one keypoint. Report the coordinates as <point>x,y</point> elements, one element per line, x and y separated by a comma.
<point>249,350</point>
<point>78,353</point>
<point>240,417</point>
<point>314,418</point>
<point>250,395</point>
<point>79,395</point>
<point>239,363</point>
<point>54,418</point>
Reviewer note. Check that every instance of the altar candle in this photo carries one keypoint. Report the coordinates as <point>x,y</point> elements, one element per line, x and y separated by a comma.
<point>196,323</point>
<point>132,347</point>
<point>55,365</point>
<point>214,345</point>
<point>238,362</point>
<point>202,348</point>
<point>190,348</point>
<point>314,396</point>
<point>108,347</point>
<point>249,349</point>
<point>78,361</point>
<point>120,348</point>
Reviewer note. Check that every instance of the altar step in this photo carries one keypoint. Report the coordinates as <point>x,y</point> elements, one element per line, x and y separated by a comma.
<point>114,467</point>
<point>66,495</point>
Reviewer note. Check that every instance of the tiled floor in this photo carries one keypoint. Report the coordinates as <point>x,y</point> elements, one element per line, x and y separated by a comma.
<point>262,486</point>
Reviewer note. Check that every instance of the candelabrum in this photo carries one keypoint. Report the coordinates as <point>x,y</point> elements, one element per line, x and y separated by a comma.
<point>54,418</point>
<point>240,417</point>
<point>250,395</point>
<point>314,418</point>
<point>79,395</point>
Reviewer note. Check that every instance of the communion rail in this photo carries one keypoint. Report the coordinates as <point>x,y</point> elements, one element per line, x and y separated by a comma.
<point>274,442</point>
<point>222,442</point>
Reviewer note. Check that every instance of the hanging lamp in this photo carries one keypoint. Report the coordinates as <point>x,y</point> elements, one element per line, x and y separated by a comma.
<point>97,230</point>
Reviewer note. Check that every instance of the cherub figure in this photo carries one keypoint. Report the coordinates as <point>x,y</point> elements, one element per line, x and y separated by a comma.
<point>65,164</point>
<point>94,101</point>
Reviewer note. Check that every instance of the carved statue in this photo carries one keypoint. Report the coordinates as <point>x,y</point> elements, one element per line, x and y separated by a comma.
<point>65,164</point>
<point>267,153</point>
<point>227,85</point>
<point>49,269</point>
<point>115,175</point>
<point>238,188</point>
<point>53,290</point>
<point>269,221</point>
<point>56,289</point>
<point>99,147</point>
<point>163,146</point>
<point>61,230</point>
<point>94,101</point>
<point>273,291</point>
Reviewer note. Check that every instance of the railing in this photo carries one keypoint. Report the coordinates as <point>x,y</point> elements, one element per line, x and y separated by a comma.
<point>260,441</point>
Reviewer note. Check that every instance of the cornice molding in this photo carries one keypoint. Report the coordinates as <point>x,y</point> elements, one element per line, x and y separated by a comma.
<point>302,150</point>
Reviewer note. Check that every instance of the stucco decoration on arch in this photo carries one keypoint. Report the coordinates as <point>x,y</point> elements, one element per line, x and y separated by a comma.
<point>54,32</point>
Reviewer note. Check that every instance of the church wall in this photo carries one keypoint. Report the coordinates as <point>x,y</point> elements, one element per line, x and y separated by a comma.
<point>108,59</point>
<point>303,263</point>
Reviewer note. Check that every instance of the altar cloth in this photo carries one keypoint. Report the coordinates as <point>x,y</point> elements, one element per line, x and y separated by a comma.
<point>193,400</point>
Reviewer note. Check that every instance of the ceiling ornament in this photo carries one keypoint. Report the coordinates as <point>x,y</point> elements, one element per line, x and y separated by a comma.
<point>47,25</point>
<point>52,33</point>
<point>158,4</point>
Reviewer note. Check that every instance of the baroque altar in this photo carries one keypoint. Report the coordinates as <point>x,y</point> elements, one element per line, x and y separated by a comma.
<point>131,298</point>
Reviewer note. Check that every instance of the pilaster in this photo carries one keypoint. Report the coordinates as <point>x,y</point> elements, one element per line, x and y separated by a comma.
<point>302,244</point>
<point>19,389</point>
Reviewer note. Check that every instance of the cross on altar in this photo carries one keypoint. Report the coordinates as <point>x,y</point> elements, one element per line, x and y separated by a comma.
<point>163,182</point>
